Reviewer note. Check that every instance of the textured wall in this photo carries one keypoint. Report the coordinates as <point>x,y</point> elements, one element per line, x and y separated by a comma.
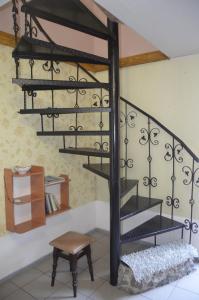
<point>19,144</point>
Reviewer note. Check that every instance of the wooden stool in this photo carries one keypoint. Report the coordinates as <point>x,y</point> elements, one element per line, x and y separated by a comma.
<point>71,246</point>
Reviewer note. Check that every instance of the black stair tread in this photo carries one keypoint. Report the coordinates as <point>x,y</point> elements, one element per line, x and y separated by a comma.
<point>49,110</point>
<point>71,13</point>
<point>44,84</point>
<point>103,170</point>
<point>99,169</point>
<point>126,185</point>
<point>156,225</point>
<point>28,48</point>
<point>74,133</point>
<point>85,151</point>
<point>137,204</point>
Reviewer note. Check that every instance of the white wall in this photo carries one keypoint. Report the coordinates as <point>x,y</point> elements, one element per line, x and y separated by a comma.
<point>169,91</point>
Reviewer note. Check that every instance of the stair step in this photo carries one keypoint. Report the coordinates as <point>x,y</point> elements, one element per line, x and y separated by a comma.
<point>49,110</point>
<point>72,14</point>
<point>44,84</point>
<point>137,204</point>
<point>74,133</point>
<point>99,169</point>
<point>86,152</point>
<point>156,225</point>
<point>29,48</point>
<point>103,170</point>
<point>126,185</point>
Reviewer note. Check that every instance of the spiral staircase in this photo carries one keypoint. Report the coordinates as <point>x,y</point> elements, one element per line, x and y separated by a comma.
<point>114,162</point>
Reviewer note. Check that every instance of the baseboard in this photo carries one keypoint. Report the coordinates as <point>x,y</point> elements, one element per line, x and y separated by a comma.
<point>21,250</point>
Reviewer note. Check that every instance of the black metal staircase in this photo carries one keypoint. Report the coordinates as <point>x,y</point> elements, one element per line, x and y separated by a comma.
<point>74,14</point>
<point>28,48</point>
<point>46,85</point>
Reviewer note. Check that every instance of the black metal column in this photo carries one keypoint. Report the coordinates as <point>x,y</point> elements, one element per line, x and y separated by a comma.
<point>113,53</point>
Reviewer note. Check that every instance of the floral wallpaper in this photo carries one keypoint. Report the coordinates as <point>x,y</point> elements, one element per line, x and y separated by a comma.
<point>19,144</point>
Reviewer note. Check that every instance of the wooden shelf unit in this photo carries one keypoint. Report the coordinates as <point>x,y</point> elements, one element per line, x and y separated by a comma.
<point>64,195</point>
<point>35,198</point>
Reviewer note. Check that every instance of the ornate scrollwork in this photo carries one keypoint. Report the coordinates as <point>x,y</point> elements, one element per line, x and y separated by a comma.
<point>75,128</point>
<point>177,153</point>
<point>100,101</point>
<point>101,124</point>
<point>175,202</point>
<point>30,30</point>
<point>145,136</point>
<point>53,115</point>
<point>80,91</point>
<point>15,12</point>
<point>173,152</point>
<point>149,136</point>
<point>191,176</point>
<point>126,163</point>
<point>192,226</point>
<point>153,134</point>
<point>128,119</point>
<point>103,146</point>
<point>169,154</point>
<point>122,119</point>
<point>32,94</point>
<point>49,66</point>
<point>150,181</point>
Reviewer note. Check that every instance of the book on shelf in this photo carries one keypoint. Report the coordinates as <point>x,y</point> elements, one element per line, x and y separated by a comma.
<point>52,204</point>
<point>55,201</point>
<point>48,206</point>
<point>53,179</point>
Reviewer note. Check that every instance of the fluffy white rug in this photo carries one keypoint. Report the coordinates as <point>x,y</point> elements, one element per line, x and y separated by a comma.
<point>144,264</point>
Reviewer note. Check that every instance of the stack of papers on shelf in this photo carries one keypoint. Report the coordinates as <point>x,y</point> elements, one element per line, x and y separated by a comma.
<point>53,179</point>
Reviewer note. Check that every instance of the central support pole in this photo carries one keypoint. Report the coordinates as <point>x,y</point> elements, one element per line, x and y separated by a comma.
<point>114,95</point>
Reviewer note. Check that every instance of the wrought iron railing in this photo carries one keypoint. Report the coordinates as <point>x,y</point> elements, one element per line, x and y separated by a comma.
<point>180,183</point>
<point>146,150</point>
<point>174,151</point>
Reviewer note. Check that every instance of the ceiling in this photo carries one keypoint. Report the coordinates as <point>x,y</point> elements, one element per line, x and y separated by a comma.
<point>170,25</point>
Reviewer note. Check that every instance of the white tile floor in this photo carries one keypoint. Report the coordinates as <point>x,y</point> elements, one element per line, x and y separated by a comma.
<point>33,283</point>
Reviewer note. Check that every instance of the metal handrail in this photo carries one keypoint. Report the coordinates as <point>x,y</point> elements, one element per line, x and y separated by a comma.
<point>194,156</point>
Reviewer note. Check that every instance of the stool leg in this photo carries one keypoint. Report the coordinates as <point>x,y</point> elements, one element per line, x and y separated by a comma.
<point>55,259</point>
<point>70,266</point>
<point>73,266</point>
<point>90,265</point>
